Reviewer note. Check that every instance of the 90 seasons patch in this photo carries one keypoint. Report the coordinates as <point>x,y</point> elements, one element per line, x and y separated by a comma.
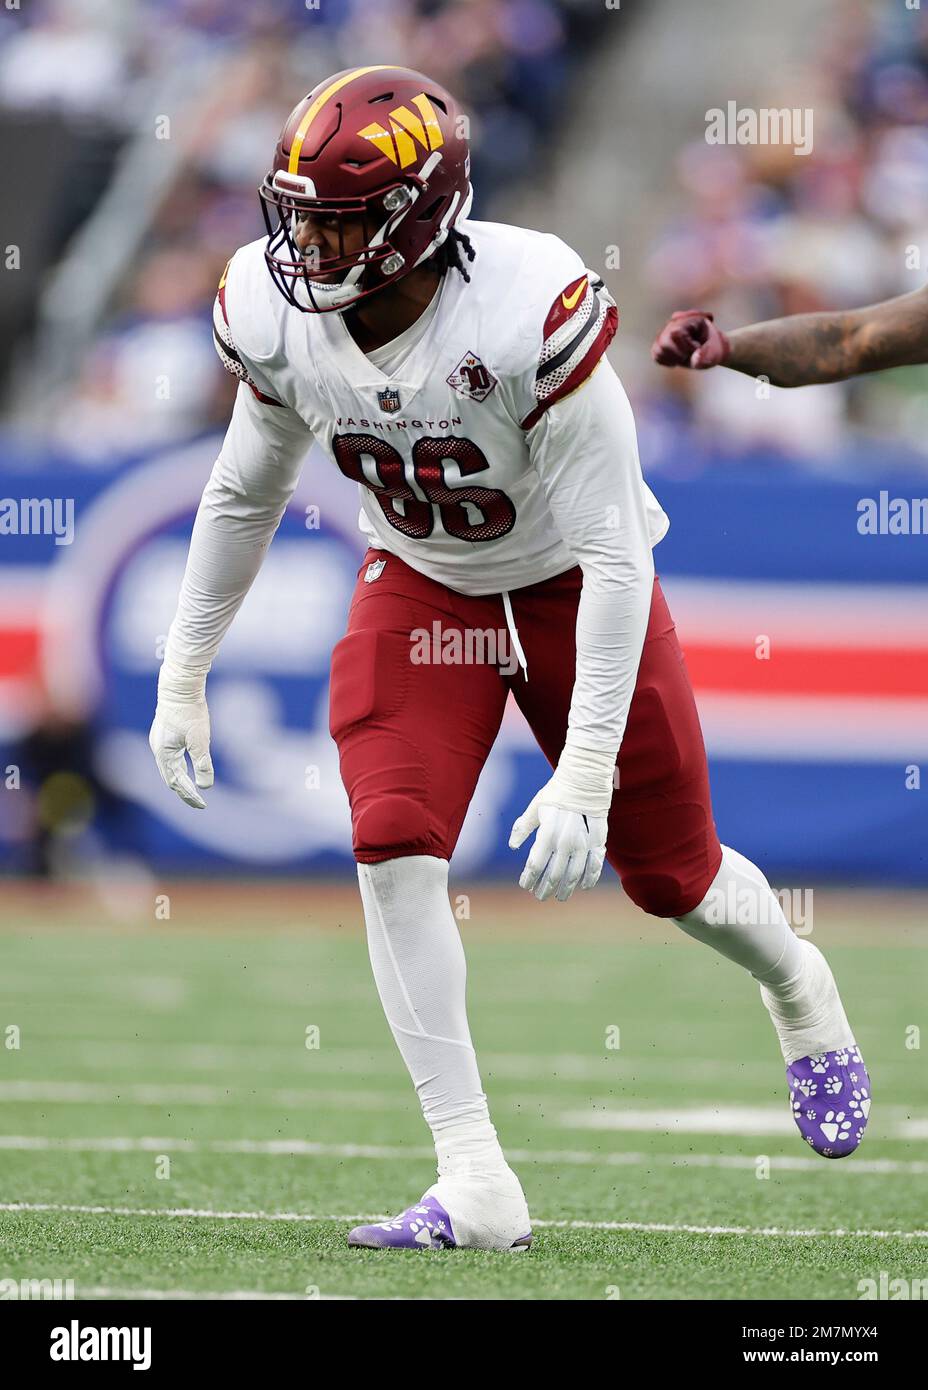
<point>471,378</point>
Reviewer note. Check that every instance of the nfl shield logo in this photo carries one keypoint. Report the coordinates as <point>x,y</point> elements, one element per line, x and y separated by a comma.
<point>374,571</point>
<point>389,401</point>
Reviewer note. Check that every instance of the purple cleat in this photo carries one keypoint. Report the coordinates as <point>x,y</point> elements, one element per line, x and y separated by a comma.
<point>830,1100</point>
<point>423,1227</point>
<point>426,1226</point>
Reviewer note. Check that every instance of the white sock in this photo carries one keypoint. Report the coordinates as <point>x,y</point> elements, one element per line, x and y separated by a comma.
<point>741,918</point>
<point>418,962</point>
<point>807,1011</point>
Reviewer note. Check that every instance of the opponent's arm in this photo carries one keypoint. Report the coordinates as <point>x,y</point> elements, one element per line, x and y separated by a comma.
<point>251,483</point>
<point>803,349</point>
<point>585,451</point>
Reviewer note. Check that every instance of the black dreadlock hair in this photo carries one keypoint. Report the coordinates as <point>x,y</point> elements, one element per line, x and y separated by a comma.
<point>448,255</point>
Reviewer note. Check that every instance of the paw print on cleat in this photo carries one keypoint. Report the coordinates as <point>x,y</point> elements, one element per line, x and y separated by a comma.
<point>835,1125</point>
<point>860,1103</point>
<point>423,1227</point>
<point>831,1115</point>
<point>426,1226</point>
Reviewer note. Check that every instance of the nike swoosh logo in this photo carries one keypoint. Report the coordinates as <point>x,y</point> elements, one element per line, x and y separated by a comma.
<point>571,302</point>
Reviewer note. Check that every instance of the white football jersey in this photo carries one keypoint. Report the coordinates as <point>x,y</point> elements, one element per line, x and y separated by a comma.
<point>441,449</point>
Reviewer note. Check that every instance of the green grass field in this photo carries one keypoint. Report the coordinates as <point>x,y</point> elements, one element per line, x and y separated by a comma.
<point>166,1130</point>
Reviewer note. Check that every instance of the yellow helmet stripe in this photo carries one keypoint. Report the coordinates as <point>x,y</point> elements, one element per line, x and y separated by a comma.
<point>333,87</point>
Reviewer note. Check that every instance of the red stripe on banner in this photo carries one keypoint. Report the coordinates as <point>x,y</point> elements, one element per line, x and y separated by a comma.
<point>19,651</point>
<point>886,671</point>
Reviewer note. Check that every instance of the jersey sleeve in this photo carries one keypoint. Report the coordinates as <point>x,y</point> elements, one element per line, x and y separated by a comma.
<point>576,331</point>
<point>585,452</point>
<point>249,488</point>
<point>230,355</point>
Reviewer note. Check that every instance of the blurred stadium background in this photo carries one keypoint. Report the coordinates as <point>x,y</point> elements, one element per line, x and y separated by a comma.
<point>133,135</point>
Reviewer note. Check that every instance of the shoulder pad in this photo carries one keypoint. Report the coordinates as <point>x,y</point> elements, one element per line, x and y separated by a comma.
<point>579,326</point>
<point>229,354</point>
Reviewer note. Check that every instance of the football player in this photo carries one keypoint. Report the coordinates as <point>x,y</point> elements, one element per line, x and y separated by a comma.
<point>455,371</point>
<point>803,349</point>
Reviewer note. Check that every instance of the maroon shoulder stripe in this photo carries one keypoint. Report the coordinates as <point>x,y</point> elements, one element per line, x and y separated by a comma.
<point>599,342</point>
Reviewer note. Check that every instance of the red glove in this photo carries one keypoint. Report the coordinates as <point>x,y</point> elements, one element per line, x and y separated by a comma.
<point>690,339</point>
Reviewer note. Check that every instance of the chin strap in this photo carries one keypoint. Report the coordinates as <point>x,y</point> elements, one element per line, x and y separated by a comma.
<point>342,295</point>
<point>446,223</point>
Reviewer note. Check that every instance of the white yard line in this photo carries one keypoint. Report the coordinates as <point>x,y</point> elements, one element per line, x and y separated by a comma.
<point>597,1114</point>
<point>701,1119</point>
<point>793,1232</point>
<point>198,1213</point>
<point>718,1119</point>
<point>657,1227</point>
<point>913,1129</point>
<point>305,1148</point>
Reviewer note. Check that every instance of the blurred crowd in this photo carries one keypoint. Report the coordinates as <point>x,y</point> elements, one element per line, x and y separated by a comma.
<point>752,231</point>
<point>759,231</point>
<point>112,66</point>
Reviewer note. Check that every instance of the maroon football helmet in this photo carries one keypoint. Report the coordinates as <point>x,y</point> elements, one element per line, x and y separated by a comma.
<point>383,142</point>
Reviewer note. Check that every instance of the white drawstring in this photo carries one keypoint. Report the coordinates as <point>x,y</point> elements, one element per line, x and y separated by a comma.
<point>513,633</point>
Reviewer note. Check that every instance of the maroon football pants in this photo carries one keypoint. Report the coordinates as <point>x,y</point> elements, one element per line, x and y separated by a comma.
<point>413,735</point>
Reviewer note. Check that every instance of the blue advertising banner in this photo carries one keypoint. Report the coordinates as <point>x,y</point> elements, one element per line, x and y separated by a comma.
<point>806,636</point>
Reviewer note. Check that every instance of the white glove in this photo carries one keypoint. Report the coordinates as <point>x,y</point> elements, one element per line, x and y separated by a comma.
<point>180,726</point>
<point>570,814</point>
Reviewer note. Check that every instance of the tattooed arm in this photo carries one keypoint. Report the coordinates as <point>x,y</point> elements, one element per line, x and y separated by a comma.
<point>806,348</point>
